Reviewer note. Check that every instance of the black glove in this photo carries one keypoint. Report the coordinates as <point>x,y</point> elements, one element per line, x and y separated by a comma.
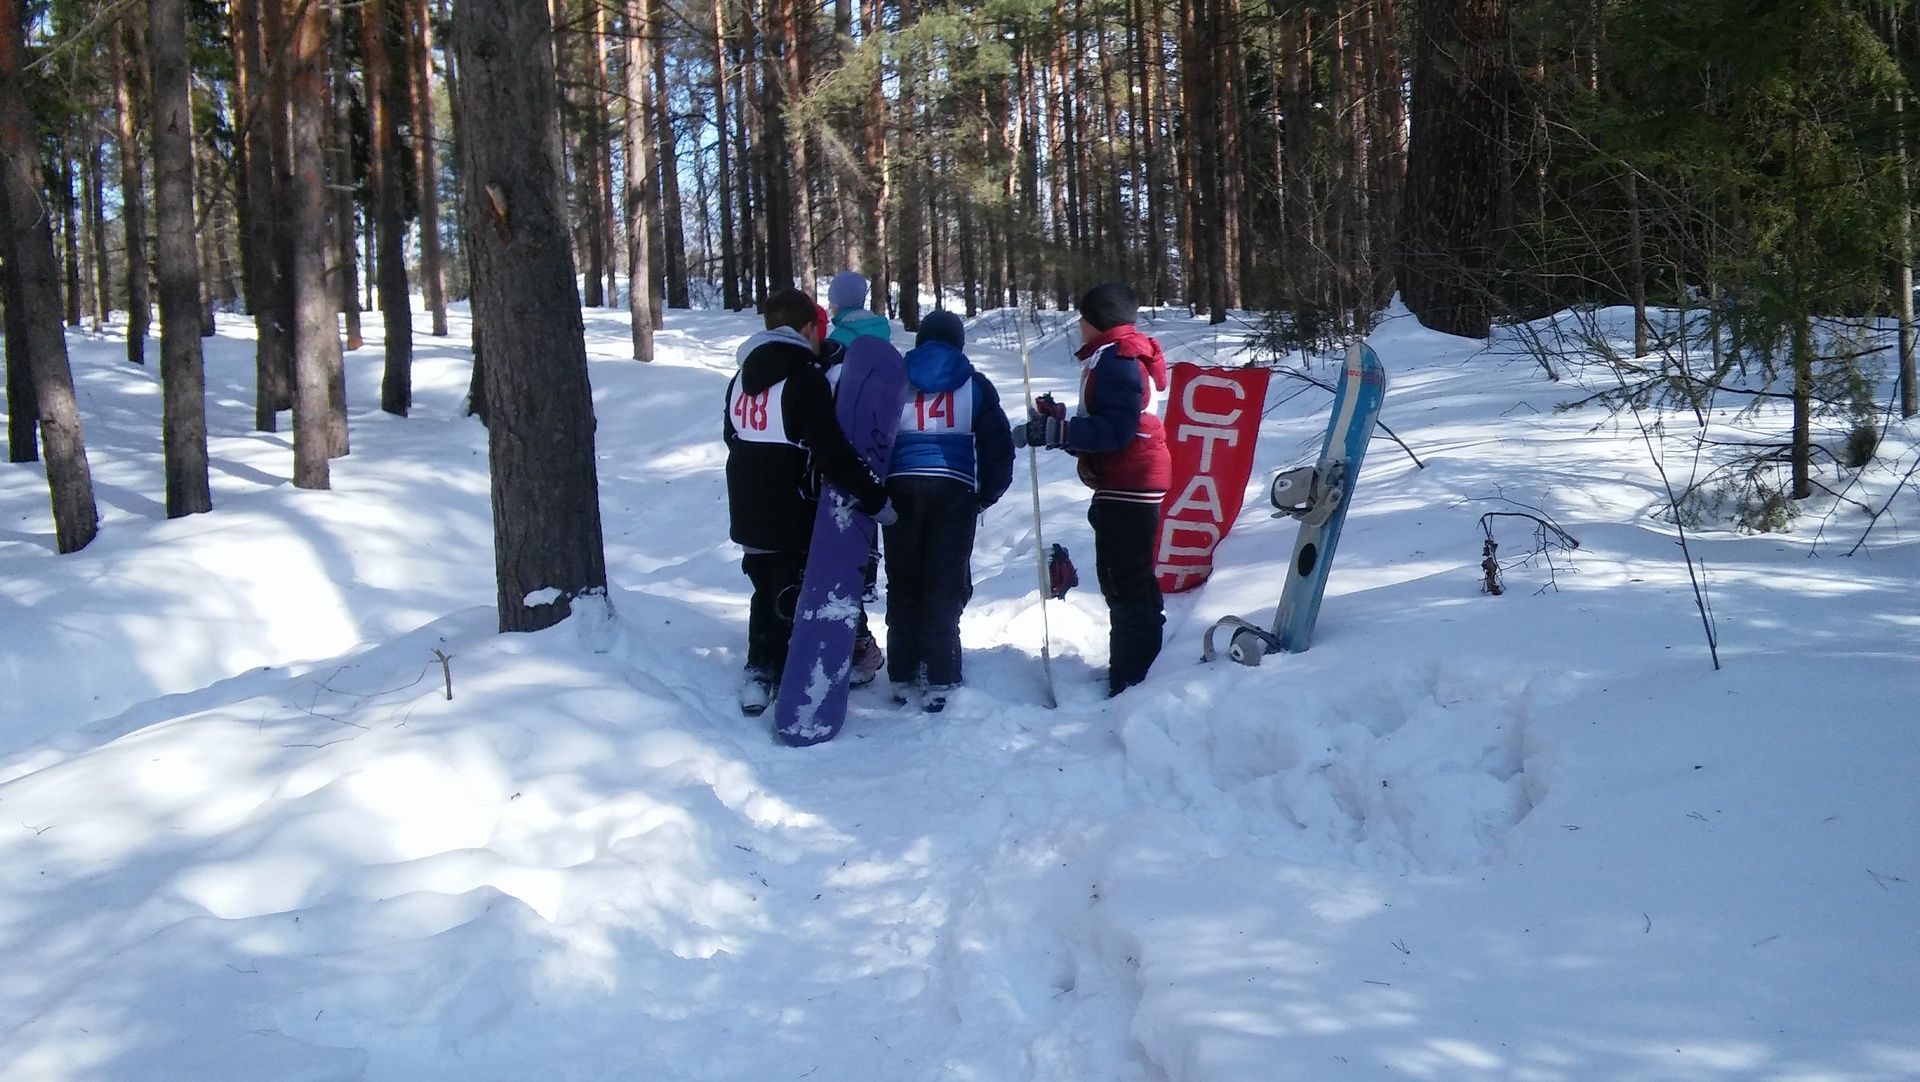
<point>1046,423</point>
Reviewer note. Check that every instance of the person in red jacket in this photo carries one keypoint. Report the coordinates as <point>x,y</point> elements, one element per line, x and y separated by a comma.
<point>1116,436</point>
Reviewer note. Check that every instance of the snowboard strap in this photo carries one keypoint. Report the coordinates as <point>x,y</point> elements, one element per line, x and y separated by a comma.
<point>1304,493</point>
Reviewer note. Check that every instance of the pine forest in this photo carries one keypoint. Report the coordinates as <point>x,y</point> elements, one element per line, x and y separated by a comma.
<point>1292,165</point>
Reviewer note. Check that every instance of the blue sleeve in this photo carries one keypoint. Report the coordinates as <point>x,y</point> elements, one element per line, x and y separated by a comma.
<point>1113,402</point>
<point>992,442</point>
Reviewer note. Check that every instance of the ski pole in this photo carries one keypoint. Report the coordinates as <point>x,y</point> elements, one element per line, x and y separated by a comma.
<point>1039,540</point>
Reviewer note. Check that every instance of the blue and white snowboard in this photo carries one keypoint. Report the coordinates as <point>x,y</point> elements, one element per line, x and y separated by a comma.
<point>1318,496</point>
<point>812,704</point>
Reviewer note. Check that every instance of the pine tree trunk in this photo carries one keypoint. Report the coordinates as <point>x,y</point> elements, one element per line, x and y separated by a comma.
<point>1386,148</point>
<point>969,259</point>
<point>1909,395</point>
<point>1340,178</point>
<point>656,225</point>
<point>36,296</point>
<point>381,26</point>
<point>23,421</point>
<point>573,49</point>
<point>182,375</point>
<point>1028,149</point>
<point>604,49</point>
<point>881,275</point>
<point>798,176</point>
<point>749,159</point>
<point>95,166</point>
<point>526,308</point>
<point>673,228</point>
<point>69,207</point>
<point>124,58</point>
<point>1053,91</point>
<point>640,185</point>
<point>1456,180</point>
<point>225,288</point>
<point>725,178</point>
<point>1637,265</point>
<point>1301,209</point>
<point>1234,250</point>
<point>346,249</point>
<point>276,65</point>
<point>260,209</point>
<point>204,241</point>
<point>433,277</point>
<point>913,187</point>
<point>775,154</point>
<point>316,336</point>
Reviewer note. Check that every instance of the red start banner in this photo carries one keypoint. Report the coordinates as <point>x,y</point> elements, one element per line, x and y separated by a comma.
<point>1213,418</point>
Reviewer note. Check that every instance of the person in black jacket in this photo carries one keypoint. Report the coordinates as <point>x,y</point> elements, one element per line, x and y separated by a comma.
<point>782,435</point>
<point>952,458</point>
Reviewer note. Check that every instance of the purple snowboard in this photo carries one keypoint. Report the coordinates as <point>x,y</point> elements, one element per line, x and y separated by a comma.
<point>813,689</point>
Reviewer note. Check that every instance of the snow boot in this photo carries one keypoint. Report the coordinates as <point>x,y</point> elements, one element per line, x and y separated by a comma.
<point>868,660</point>
<point>755,694</point>
<point>902,692</point>
<point>935,699</point>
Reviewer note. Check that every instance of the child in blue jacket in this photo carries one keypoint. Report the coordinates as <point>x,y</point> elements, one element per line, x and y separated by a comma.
<point>952,458</point>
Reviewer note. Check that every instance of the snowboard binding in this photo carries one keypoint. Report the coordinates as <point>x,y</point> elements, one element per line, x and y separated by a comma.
<point>1307,494</point>
<point>1247,645</point>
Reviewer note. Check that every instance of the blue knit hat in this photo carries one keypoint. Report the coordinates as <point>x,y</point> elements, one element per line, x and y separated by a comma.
<point>941,325</point>
<point>847,290</point>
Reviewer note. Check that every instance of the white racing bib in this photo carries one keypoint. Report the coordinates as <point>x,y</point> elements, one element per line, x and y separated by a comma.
<point>939,411</point>
<point>757,417</point>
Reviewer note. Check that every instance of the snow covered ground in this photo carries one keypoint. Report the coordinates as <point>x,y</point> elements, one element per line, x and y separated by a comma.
<point>244,834</point>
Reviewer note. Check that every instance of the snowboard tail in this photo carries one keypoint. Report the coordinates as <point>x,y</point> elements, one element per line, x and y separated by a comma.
<point>1319,497</point>
<point>812,704</point>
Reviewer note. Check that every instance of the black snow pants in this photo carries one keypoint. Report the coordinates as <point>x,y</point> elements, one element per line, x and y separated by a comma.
<point>776,592</point>
<point>1123,539</point>
<point>929,576</point>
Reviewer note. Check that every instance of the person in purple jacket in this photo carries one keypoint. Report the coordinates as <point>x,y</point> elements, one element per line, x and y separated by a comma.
<point>1117,438</point>
<point>952,458</point>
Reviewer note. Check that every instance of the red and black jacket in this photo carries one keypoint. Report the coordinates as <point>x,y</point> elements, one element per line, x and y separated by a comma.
<point>1115,432</point>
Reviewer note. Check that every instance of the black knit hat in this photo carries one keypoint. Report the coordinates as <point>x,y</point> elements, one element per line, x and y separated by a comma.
<point>1110,305</point>
<point>941,325</point>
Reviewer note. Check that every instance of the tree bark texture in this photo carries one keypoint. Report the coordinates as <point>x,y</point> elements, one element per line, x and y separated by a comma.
<point>95,165</point>
<point>260,263</point>
<point>640,186</point>
<point>427,166</point>
<point>729,270</point>
<point>546,507</point>
<point>674,232</point>
<point>346,233</point>
<point>319,433</point>
<point>1456,178</point>
<point>383,41</point>
<point>126,59</point>
<point>29,249</point>
<point>182,373</point>
<point>23,420</point>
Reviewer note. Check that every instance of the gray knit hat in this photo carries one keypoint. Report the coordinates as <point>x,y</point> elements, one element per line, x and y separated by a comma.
<point>847,290</point>
<point>1110,305</point>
